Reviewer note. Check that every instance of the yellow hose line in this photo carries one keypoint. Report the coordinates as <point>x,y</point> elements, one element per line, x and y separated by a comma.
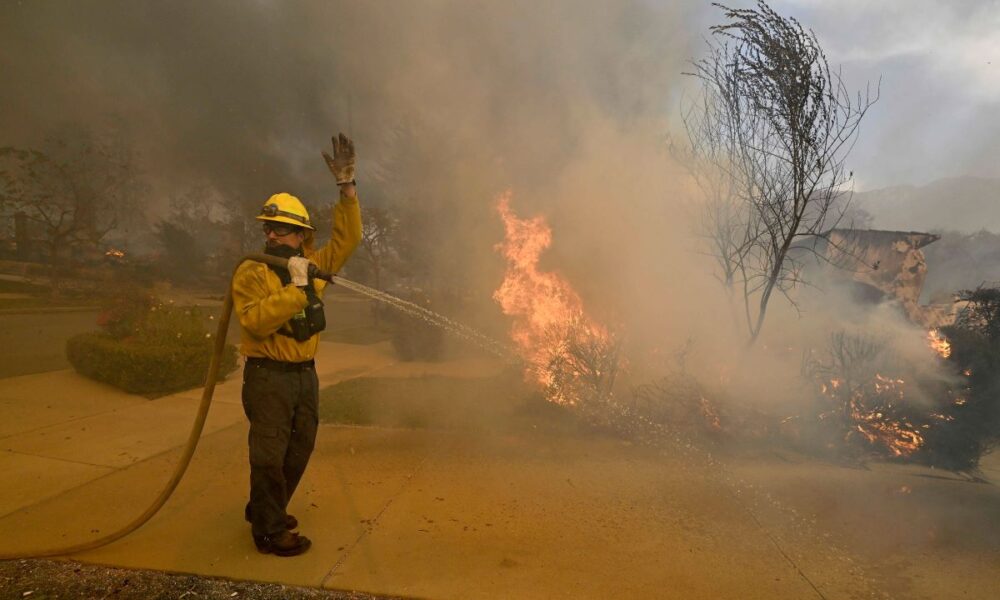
<point>189,447</point>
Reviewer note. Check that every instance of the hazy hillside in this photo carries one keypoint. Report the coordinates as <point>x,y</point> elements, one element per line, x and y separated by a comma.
<point>960,261</point>
<point>964,204</point>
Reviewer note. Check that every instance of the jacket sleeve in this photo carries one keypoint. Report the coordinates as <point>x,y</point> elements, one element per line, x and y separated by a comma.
<point>344,238</point>
<point>260,310</point>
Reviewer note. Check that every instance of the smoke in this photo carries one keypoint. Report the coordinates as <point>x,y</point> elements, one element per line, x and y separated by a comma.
<point>450,103</point>
<point>244,97</point>
<point>566,104</point>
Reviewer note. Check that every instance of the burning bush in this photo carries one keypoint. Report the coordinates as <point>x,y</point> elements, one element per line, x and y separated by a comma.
<point>871,403</point>
<point>867,400</point>
<point>579,366</point>
<point>572,357</point>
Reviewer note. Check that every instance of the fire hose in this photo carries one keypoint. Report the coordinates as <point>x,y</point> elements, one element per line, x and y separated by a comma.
<point>193,437</point>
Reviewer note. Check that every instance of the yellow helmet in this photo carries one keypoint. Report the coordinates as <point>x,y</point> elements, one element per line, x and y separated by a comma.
<point>285,208</point>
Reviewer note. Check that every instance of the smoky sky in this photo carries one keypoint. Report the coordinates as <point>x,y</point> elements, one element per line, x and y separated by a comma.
<point>939,65</point>
<point>566,103</point>
<point>243,95</point>
<point>450,103</point>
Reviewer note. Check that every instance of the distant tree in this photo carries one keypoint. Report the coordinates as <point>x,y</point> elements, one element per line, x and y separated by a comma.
<point>776,124</point>
<point>77,188</point>
<point>193,233</point>
<point>378,239</point>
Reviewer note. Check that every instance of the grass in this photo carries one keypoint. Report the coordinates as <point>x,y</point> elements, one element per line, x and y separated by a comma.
<point>8,286</point>
<point>437,402</point>
<point>40,302</point>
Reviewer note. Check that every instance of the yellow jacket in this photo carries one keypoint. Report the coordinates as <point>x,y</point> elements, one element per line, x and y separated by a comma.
<point>263,304</point>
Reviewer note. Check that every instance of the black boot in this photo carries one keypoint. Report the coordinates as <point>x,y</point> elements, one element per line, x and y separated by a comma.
<point>285,543</point>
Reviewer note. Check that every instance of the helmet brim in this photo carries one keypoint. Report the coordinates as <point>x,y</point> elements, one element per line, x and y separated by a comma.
<point>280,219</point>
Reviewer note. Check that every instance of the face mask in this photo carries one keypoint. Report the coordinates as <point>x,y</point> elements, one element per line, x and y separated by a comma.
<point>283,251</point>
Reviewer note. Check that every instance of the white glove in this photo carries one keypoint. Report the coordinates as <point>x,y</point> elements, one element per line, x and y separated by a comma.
<point>298,268</point>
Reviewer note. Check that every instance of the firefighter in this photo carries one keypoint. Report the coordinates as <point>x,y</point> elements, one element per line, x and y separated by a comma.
<point>281,315</point>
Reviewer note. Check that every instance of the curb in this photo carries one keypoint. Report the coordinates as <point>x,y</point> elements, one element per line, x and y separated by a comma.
<point>48,309</point>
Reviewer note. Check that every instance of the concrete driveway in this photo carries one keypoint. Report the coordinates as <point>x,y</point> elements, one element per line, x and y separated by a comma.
<point>533,513</point>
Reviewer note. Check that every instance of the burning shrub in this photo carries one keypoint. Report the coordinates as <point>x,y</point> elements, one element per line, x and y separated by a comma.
<point>932,417</point>
<point>579,366</point>
<point>858,409</point>
<point>147,347</point>
<point>572,357</point>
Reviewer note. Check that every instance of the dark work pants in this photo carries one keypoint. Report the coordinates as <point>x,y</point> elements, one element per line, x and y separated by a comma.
<point>282,408</point>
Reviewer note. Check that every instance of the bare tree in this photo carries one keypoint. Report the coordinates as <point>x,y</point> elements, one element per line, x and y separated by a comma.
<point>774,127</point>
<point>727,225</point>
<point>78,188</point>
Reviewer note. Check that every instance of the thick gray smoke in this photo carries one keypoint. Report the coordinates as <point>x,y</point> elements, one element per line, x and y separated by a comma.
<point>244,95</point>
<point>567,104</point>
<point>450,101</point>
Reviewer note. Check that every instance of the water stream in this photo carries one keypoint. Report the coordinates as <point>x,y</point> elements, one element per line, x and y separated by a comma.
<point>465,332</point>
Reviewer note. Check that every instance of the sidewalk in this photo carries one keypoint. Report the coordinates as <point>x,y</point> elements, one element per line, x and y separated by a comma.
<point>447,514</point>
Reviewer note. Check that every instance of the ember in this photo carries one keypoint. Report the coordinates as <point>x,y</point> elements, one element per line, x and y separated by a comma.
<point>710,414</point>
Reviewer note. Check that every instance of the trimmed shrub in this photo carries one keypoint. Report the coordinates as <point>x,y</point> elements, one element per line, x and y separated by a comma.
<point>147,347</point>
<point>145,368</point>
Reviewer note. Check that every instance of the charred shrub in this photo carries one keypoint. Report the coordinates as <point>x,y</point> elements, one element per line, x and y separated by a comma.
<point>148,347</point>
<point>868,403</point>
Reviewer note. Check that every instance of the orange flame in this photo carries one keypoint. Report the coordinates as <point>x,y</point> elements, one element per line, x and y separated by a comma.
<point>114,253</point>
<point>938,343</point>
<point>549,319</point>
<point>900,438</point>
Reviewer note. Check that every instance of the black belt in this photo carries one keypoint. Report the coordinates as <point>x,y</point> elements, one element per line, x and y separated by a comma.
<point>278,365</point>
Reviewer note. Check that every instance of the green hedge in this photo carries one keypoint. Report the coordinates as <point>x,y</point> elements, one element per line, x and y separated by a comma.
<point>140,367</point>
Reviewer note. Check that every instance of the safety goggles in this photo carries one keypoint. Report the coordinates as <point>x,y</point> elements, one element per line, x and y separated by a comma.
<point>279,229</point>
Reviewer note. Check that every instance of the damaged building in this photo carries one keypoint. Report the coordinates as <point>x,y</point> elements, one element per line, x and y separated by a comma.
<point>886,266</point>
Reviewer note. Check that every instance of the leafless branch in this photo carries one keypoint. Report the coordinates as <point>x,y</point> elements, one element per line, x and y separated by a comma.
<point>769,139</point>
